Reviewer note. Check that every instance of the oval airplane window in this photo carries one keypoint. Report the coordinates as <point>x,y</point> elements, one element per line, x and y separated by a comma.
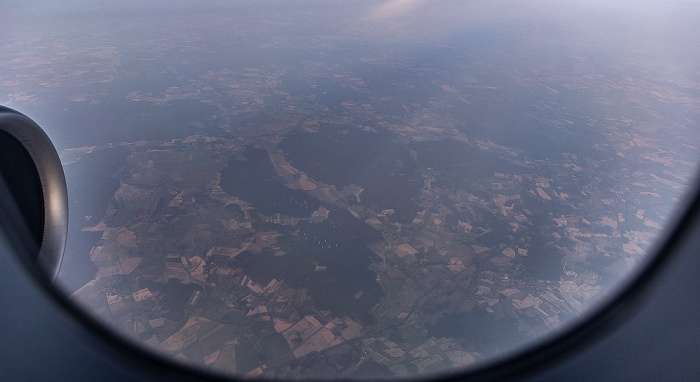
<point>367,189</point>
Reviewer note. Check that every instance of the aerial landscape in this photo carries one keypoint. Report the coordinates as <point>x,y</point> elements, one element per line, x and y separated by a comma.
<point>277,191</point>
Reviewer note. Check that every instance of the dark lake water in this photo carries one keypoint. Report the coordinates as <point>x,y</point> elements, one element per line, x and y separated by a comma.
<point>339,243</point>
<point>343,155</point>
<point>254,180</point>
<point>90,188</point>
<point>121,120</point>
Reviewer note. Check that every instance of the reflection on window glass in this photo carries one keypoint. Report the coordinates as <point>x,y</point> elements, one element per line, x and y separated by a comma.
<point>357,189</point>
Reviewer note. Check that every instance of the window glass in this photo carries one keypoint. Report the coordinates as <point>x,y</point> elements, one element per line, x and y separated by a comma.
<point>362,189</point>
